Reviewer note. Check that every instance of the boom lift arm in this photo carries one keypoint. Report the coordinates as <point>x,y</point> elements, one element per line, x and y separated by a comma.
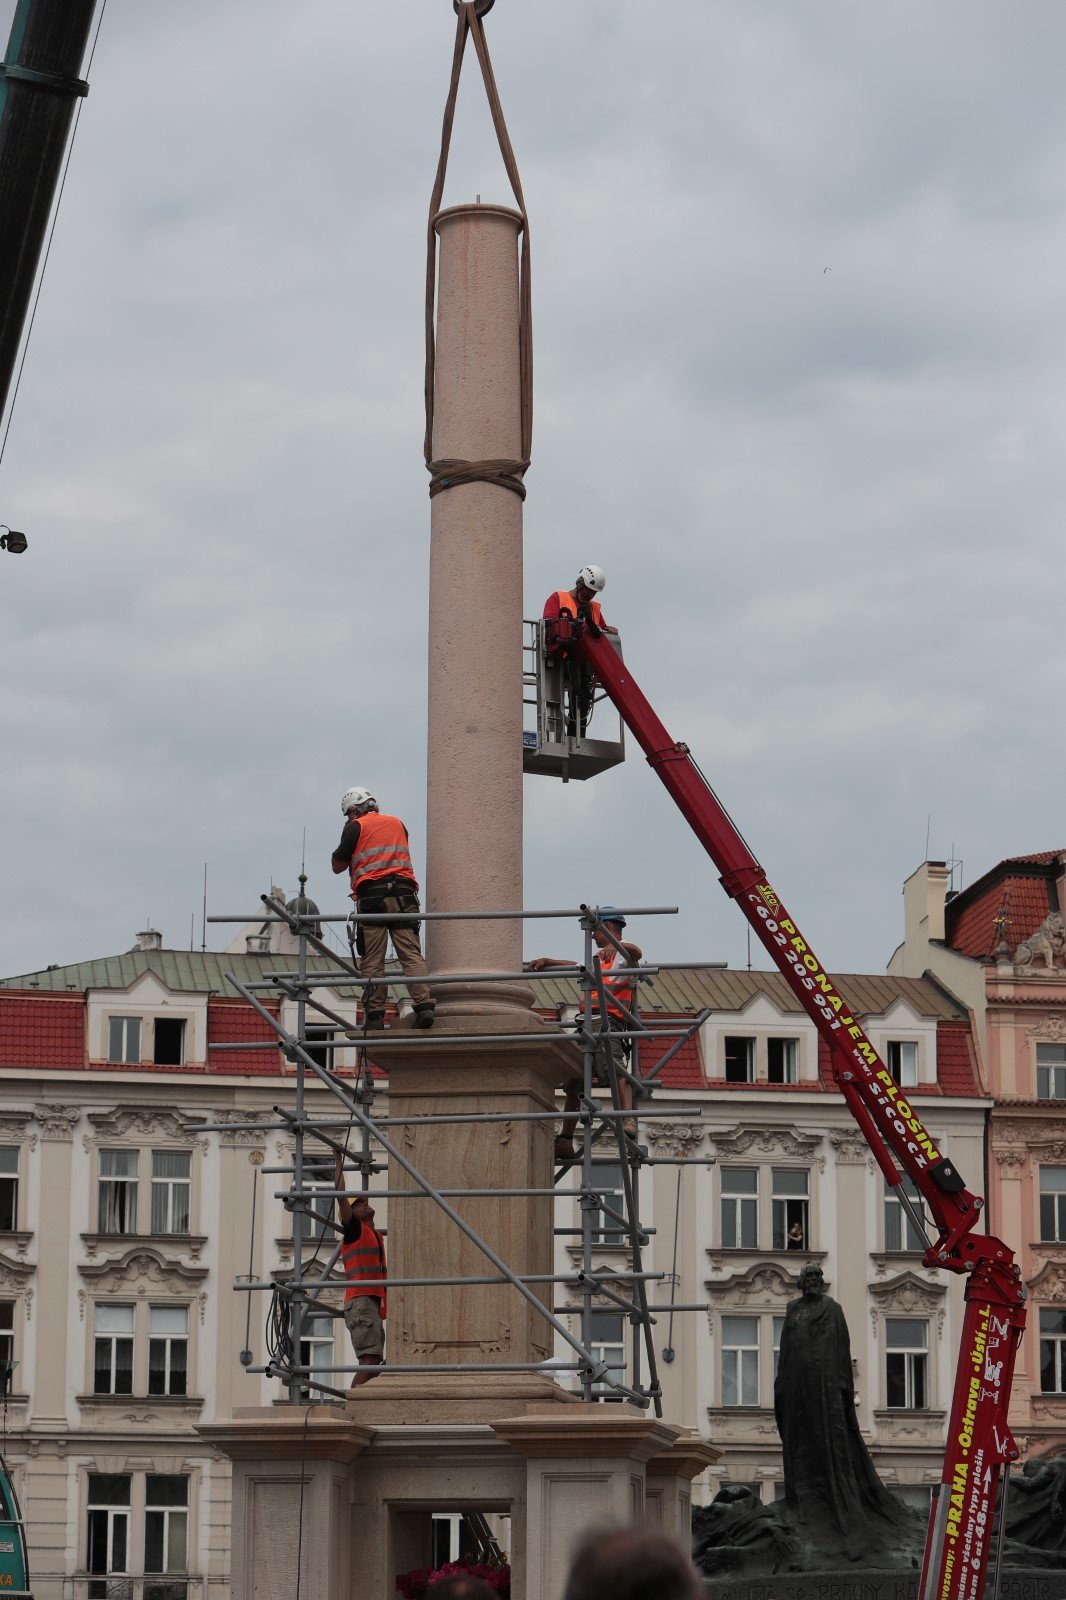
<point>980,1445</point>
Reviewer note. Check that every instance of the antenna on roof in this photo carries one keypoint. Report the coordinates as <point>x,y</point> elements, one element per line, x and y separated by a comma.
<point>928,832</point>
<point>192,929</point>
<point>203,925</point>
<point>953,862</point>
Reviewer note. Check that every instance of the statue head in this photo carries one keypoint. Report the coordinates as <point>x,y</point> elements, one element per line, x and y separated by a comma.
<point>811,1282</point>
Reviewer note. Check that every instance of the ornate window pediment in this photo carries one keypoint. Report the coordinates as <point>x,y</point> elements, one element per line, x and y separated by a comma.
<point>764,1287</point>
<point>145,1122</point>
<point>770,1141</point>
<point>141,1270</point>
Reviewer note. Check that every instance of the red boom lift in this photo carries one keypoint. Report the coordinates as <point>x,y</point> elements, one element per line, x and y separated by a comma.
<point>980,1447</point>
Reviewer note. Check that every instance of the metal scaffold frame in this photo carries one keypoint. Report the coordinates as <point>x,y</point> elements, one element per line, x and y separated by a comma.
<point>610,1057</point>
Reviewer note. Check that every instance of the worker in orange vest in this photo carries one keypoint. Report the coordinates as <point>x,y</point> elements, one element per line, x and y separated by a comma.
<point>618,988</point>
<point>363,1259</point>
<point>580,603</point>
<point>376,853</point>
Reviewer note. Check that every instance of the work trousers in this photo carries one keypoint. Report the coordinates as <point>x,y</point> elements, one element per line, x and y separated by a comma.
<point>375,937</point>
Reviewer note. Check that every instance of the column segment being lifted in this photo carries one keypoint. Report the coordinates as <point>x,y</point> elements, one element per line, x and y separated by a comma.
<point>474,799</point>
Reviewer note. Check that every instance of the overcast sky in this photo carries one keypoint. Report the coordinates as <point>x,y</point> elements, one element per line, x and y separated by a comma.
<point>799,282</point>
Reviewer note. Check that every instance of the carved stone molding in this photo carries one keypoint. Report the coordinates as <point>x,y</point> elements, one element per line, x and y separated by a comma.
<point>1049,1408</point>
<point>146,1122</point>
<point>893,1425</point>
<point>1052,1027</point>
<point>13,1129</point>
<point>908,1295</point>
<point>849,1147</point>
<point>141,1270</point>
<point>766,1286</point>
<point>1045,1134</point>
<point>97,1244</point>
<point>14,1274</point>
<point>675,1138</point>
<point>254,1137</point>
<point>1012,1160</point>
<point>1050,1282</point>
<point>770,1141</point>
<point>57,1121</point>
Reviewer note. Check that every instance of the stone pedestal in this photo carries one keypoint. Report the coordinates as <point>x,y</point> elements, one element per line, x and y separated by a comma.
<point>470,1324</point>
<point>369,1492</point>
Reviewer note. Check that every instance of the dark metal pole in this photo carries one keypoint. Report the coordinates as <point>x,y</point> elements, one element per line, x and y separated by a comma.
<point>39,85</point>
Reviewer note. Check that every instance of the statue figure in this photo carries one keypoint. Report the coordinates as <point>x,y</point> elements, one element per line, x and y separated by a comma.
<point>1048,941</point>
<point>830,1482</point>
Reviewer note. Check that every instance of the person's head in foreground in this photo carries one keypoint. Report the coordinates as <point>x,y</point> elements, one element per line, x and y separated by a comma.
<point>631,1564</point>
<point>460,1586</point>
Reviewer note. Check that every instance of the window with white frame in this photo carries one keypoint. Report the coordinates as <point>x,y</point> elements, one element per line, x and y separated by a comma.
<point>108,1534</point>
<point>1051,1072</point>
<point>1052,1350</point>
<point>740,1361</point>
<point>789,1208</point>
<point>319,1182</point>
<point>740,1208</point>
<point>168,1350</point>
<point>118,1191</point>
<point>900,1231</point>
<point>739,1060</point>
<point>608,1344</point>
<point>608,1193</point>
<point>113,1348</point>
<point>779,1323</point>
<point>320,1045</point>
<point>1053,1204</point>
<point>166,1535</point>
<point>171,1182</point>
<point>906,1363</point>
<point>7,1345</point>
<point>316,1344</point>
<point>124,1040</point>
<point>9,1188</point>
<point>903,1062</point>
<point>782,1060</point>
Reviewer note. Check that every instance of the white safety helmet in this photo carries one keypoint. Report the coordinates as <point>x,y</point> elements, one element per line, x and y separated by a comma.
<point>358,800</point>
<point>592,577</point>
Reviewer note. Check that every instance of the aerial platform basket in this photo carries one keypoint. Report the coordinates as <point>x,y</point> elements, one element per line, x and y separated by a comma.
<point>547,747</point>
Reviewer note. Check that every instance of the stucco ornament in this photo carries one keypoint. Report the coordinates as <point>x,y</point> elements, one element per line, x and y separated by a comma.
<point>1048,944</point>
<point>849,1147</point>
<point>675,1138</point>
<point>771,1141</point>
<point>57,1121</point>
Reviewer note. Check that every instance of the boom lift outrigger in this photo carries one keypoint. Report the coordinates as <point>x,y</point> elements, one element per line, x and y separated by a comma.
<point>980,1447</point>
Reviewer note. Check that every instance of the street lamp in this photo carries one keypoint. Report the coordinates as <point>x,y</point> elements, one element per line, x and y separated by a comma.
<point>11,539</point>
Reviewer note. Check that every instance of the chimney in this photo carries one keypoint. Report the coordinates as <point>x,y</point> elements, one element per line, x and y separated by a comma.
<point>257,944</point>
<point>150,939</point>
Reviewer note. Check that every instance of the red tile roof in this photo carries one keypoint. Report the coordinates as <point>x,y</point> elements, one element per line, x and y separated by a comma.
<point>682,1071</point>
<point>233,1022</point>
<point>42,1030</point>
<point>1022,887</point>
<point>956,1063</point>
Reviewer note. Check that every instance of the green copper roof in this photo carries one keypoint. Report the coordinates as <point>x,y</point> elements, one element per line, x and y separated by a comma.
<point>182,971</point>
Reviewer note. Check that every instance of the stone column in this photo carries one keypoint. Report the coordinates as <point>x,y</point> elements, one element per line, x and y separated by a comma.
<point>474,815</point>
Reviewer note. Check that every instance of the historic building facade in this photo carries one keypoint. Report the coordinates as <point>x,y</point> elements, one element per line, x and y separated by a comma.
<point>127,1215</point>
<point>1000,945</point>
<point>777,1174</point>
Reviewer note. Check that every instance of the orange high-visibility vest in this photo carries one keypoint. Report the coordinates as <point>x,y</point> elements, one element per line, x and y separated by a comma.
<point>362,1261</point>
<point>620,988</point>
<point>568,603</point>
<point>382,851</point>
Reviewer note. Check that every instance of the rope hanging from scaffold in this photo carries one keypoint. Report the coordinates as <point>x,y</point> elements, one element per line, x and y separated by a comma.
<point>447,474</point>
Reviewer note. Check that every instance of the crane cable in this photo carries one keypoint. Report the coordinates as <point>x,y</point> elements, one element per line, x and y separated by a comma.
<point>448,473</point>
<point>51,236</point>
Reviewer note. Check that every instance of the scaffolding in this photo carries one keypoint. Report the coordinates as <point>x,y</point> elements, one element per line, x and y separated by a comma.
<point>362,1137</point>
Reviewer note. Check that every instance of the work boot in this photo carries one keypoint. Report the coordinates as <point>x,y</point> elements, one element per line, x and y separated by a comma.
<point>375,1022</point>
<point>424,1014</point>
<point>564,1148</point>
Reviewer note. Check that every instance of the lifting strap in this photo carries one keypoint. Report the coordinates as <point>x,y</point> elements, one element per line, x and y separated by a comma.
<point>447,474</point>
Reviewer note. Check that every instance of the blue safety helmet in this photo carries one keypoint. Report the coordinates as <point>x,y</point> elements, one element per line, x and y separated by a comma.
<point>610,914</point>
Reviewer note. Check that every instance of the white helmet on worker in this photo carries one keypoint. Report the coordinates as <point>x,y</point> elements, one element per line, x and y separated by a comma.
<point>592,577</point>
<point>359,800</point>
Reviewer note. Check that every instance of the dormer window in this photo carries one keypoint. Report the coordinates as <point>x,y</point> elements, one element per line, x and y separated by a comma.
<point>169,1041</point>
